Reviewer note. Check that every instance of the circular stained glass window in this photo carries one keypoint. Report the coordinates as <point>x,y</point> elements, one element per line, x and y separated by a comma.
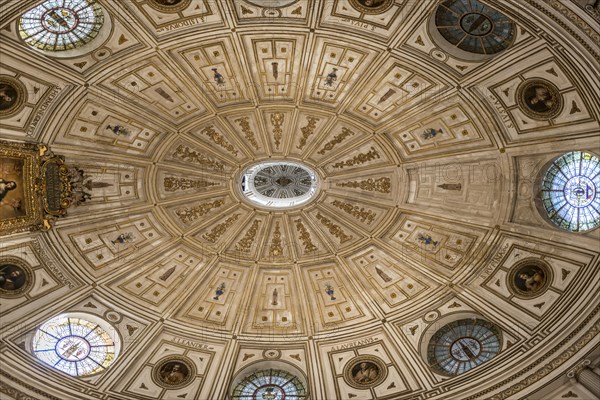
<point>279,184</point>
<point>462,345</point>
<point>270,385</point>
<point>570,191</point>
<point>58,25</point>
<point>75,345</point>
<point>474,27</point>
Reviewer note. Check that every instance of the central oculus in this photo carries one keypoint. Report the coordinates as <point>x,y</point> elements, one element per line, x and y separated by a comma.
<point>279,184</point>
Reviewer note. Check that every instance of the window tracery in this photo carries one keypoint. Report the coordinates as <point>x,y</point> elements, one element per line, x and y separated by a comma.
<point>463,345</point>
<point>75,345</point>
<point>59,25</point>
<point>474,27</point>
<point>569,191</point>
<point>270,384</point>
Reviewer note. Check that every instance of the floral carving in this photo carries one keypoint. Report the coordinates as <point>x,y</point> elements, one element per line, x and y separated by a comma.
<point>357,212</point>
<point>334,229</point>
<point>247,130</point>
<point>219,230</point>
<point>219,139</point>
<point>307,131</point>
<point>190,214</point>
<point>361,158</point>
<point>186,154</point>
<point>382,185</point>
<point>246,242</point>
<point>277,121</point>
<point>173,184</point>
<point>305,236</point>
<point>337,139</point>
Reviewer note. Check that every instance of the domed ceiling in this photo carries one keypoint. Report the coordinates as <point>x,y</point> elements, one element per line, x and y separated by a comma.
<point>303,183</point>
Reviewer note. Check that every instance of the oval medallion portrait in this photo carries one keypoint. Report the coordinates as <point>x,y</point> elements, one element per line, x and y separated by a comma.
<point>169,6</point>
<point>539,99</point>
<point>12,96</point>
<point>365,372</point>
<point>174,372</point>
<point>372,6</point>
<point>529,278</point>
<point>16,277</point>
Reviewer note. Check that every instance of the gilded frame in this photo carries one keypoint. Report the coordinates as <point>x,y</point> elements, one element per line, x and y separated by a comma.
<point>20,163</point>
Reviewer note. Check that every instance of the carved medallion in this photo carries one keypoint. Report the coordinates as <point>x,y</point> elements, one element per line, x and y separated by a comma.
<point>529,278</point>
<point>365,372</point>
<point>16,277</point>
<point>12,96</point>
<point>169,6</point>
<point>372,6</point>
<point>272,354</point>
<point>539,99</point>
<point>174,372</point>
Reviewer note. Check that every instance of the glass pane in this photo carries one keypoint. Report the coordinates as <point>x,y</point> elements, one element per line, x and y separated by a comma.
<point>58,25</point>
<point>570,191</point>
<point>75,346</point>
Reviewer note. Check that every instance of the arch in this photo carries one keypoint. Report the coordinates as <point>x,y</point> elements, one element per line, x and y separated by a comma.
<point>275,366</point>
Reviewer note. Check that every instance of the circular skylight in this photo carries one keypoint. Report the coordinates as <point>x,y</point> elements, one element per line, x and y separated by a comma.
<point>462,345</point>
<point>279,184</point>
<point>75,346</point>
<point>474,27</point>
<point>270,385</point>
<point>58,25</point>
<point>570,191</point>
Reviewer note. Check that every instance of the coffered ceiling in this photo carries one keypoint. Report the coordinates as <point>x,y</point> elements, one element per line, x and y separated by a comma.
<point>428,170</point>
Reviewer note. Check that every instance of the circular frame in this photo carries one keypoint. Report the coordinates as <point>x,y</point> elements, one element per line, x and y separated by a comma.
<point>182,5</point>
<point>189,364</point>
<point>56,31</point>
<point>70,340</point>
<point>19,91</point>
<point>104,34</point>
<point>518,269</point>
<point>446,44</point>
<point>386,5</point>
<point>355,362</point>
<point>245,184</point>
<point>101,323</point>
<point>538,199</point>
<point>27,271</point>
<point>449,326</point>
<point>271,354</point>
<point>525,95</point>
<point>472,13</point>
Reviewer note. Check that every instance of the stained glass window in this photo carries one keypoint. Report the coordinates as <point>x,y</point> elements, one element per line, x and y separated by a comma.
<point>462,345</point>
<point>474,27</point>
<point>570,191</point>
<point>57,25</point>
<point>75,346</point>
<point>270,384</point>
